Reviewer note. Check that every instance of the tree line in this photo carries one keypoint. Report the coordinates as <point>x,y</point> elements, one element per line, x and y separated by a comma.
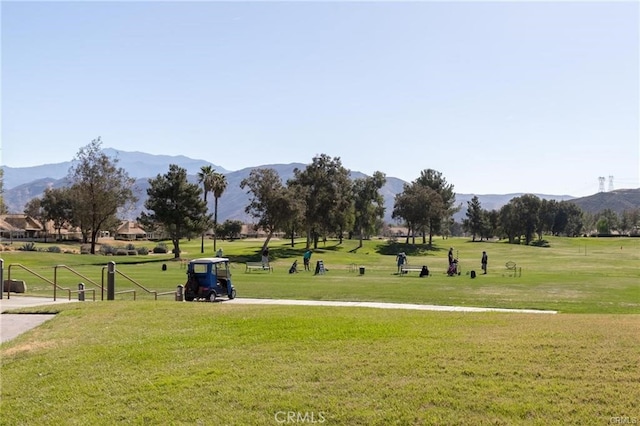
<point>320,201</point>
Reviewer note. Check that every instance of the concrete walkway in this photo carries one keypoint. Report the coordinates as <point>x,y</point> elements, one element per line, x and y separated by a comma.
<point>384,305</point>
<point>12,325</point>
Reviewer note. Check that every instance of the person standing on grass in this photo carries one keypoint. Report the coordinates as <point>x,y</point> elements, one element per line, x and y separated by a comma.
<point>484,261</point>
<point>450,256</point>
<point>306,257</point>
<point>401,258</point>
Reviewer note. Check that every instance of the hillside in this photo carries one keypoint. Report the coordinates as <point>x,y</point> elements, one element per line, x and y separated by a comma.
<point>23,184</point>
<point>618,200</point>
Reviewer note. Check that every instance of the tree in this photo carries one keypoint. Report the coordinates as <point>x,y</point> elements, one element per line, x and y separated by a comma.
<point>549,210</point>
<point>474,221</point>
<point>175,204</point>
<point>527,208</point>
<point>205,177</point>
<point>416,204</point>
<point>296,220</point>
<point>327,193</point>
<point>57,204</point>
<point>407,206</point>
<point>629,221</point>
<point>230,229</point>
<point>603,226</point>
<point>269,202</point>
<point>491,223</point>
<point>610,218</point>
<point>434,180</point>
<point>100,188</point>
<point>509,224</point>
<point>34,209</point>
<point>219,185</point>
<point>574,219</point>
<point>368,203</point>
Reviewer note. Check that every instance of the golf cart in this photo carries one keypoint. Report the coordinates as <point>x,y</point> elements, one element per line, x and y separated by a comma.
<point>208,278</point>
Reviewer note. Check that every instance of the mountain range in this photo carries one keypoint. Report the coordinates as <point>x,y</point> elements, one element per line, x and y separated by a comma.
<point>21,184</point>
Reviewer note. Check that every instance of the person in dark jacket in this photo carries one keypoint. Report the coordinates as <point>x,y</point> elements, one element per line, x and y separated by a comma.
<point>484,261</point>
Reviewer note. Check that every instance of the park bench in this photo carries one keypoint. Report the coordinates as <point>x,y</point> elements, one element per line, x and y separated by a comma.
<point>513,269</point>
<point>404,269</point>
<point>259,266</point>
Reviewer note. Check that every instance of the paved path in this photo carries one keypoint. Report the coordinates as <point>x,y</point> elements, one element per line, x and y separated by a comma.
<point>12,325</point>
<point>383,305</point>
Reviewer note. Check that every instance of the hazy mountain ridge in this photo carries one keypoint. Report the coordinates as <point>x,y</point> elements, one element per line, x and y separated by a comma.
<point>23,184</point>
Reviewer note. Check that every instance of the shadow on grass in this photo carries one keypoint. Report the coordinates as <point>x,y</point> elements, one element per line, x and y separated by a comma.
<point>288,252</point>
<point>394,247</point>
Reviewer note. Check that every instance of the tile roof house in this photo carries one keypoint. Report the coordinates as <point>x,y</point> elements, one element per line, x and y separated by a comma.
<point>129,230</point>
<point>19,226</point>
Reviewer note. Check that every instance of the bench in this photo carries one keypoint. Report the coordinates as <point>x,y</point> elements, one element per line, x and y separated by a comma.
<point>513,269</point>
<point>410,268</point>
<point>259,266</point>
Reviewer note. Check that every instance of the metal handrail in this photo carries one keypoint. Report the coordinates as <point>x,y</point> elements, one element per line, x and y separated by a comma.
<point>55,285</point>
<point>155,293</point>
<point>55,275</point>
<point>166,293</point>
<point>127,291</point>
<point>92,290</point>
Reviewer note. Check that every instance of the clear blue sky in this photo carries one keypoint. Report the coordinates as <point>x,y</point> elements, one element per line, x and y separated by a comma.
<point>500,97</point>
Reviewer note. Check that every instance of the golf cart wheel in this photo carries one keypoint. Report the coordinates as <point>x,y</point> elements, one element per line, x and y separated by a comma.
<point>188,297</point>
<point>232,295</point>
<point>212,297</point>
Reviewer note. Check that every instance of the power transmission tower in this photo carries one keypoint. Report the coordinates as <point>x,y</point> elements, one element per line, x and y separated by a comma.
<point>601,184</point>
<point>610,183</point>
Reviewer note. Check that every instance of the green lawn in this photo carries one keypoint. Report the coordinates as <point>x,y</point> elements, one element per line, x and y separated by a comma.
<point>149,362</point>
<point>582,275</point>
<point>163,362</point>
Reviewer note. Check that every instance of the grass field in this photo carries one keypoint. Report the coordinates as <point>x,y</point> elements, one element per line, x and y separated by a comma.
<point>582,275</point>
<point>163,362</point>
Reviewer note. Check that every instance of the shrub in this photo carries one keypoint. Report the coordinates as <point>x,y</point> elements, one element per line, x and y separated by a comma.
<point>130,246</point>
<point>121,252</point>
<point>28,246</point>
<point>540,243</point>
<point>132,252</point>
<point>86,249</point>
<point>106,249</point>
<point>54,249</point>
<point>142,250</point>
<point>160,248</point>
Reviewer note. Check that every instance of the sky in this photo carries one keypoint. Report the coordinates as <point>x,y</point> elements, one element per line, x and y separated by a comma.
<point>499,97</point>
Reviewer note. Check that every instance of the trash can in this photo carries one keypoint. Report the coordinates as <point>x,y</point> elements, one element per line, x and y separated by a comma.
<point>362,270</point>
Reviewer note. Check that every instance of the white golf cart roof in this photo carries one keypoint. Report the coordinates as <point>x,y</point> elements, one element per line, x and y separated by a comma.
<point>209,260</point>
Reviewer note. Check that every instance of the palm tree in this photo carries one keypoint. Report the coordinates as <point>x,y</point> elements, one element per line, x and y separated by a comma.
<point>218,186</point>
<point>206,177</point>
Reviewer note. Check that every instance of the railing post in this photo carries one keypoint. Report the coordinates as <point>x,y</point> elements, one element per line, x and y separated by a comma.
<point>81,292</point>
<point>55,282</point>
<point>111,280</point>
